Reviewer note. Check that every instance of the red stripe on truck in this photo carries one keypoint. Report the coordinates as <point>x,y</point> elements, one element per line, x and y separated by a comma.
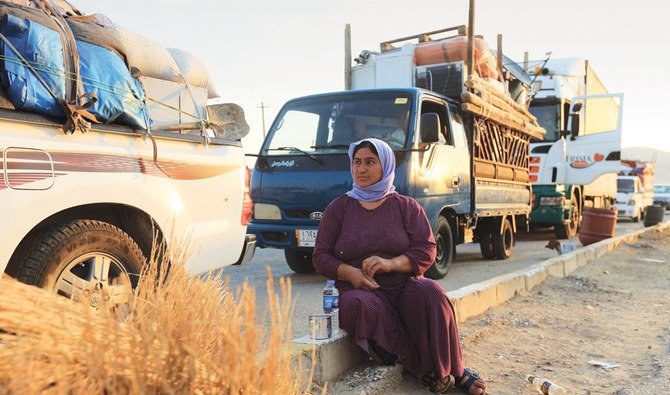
<point>66,162</point>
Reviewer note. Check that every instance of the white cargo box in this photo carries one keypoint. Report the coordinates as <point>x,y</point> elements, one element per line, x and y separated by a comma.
<point>392,69</point>
<point>170,103</point>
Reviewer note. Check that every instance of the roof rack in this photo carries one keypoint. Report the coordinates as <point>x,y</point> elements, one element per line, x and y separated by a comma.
<point>461,30</point>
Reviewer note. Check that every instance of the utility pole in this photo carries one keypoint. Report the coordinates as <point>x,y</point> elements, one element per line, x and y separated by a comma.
<point>471,38</point>
<point>263,107</point>
<point>347,57</point>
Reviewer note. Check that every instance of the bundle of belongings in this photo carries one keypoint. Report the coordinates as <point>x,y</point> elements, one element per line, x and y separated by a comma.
<point>59,62</point>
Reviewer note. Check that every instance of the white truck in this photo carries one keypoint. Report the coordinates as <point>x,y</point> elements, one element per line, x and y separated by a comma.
<point>80,211</point>
<point>635,189</point>
<point>577,162</point>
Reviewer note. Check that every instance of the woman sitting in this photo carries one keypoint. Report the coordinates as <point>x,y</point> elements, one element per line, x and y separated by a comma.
<point>377,244</point>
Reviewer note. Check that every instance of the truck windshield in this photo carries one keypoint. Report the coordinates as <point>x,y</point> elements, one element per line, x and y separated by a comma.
<point>328,124</point>
<point>549,117</point>
<point>625,185</point>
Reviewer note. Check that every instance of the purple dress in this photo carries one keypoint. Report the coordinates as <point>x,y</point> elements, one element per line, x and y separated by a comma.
<point>409,315</point>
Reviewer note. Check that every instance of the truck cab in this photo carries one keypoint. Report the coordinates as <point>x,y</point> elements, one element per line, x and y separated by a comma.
<point>303,164</point>
<point>575,164</point>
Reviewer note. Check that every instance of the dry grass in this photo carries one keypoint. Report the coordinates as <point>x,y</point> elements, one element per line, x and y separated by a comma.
<point>182,336</point>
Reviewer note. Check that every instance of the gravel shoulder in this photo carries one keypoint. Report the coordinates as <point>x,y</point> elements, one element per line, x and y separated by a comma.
<point>615,310</point>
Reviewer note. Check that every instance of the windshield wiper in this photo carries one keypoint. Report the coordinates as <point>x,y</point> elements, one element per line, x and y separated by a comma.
<point>307,154</point>
<point>330,146</point>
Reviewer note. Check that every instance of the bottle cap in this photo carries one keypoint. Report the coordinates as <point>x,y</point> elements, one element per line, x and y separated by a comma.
<point>330,282</point>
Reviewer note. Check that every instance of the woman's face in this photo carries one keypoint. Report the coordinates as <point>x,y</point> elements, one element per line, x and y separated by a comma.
<point>367,168</point>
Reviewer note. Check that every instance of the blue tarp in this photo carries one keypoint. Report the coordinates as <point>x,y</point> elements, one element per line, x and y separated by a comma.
<point>120,97</point>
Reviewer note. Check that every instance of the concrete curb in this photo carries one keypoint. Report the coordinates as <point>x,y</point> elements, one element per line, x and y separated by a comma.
<point>339,353</point>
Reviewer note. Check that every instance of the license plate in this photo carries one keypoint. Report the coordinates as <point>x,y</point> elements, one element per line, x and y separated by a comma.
<point>306,237</point>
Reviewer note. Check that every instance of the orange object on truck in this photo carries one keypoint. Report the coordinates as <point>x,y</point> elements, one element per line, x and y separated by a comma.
<point>455,49</point>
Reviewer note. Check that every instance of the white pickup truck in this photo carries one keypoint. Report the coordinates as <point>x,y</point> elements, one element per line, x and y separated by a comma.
<point>79,212</point>
<point>81,208</point>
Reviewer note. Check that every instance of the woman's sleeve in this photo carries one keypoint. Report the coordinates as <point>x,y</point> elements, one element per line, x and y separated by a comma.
<point>323,258</point>
<point>422,250</point>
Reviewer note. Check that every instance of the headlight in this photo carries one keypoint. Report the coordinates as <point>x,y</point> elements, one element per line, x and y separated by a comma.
<point>631,202</point>
<point>266,211</point>
<point>552,201</point>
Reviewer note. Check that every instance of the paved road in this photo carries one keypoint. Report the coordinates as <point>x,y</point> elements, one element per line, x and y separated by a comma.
<point>468,268</point>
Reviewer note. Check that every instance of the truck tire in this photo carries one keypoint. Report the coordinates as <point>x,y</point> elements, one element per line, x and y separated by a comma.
<point>485,245</point>
<point>655,215</point>
<point>444,240</point>
<point>299,261</point>
<point>502,242</point>
<point>566,231</point>
<point>85,260</point>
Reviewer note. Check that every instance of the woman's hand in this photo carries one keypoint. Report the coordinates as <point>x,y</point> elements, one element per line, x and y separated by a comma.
<point>373,264</point>
<point>356,277</point>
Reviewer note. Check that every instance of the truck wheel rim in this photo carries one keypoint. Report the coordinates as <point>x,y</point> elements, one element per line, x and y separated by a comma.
<point>439,243</point>
<point>507,240</point>
<point>97,279</point>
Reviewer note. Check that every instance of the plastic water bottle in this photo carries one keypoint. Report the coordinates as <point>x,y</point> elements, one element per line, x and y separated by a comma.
<point>545,386</point>
<point>331,298</point>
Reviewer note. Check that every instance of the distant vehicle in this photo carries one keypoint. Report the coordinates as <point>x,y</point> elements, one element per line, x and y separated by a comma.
<point>662,196</point>
<point>635,189</point>
<point>577,162</point>
<point>630,199</point>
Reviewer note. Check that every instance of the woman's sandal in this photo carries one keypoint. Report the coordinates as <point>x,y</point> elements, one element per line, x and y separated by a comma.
<point>467,380</point>
<point>438,386</point>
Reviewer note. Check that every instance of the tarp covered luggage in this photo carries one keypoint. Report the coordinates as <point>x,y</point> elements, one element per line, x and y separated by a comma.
<point>120,97</point>
<point>55,56</point>
<point>151,59</point>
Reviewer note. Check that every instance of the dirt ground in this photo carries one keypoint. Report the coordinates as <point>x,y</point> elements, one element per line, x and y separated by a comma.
<point>615,310</point>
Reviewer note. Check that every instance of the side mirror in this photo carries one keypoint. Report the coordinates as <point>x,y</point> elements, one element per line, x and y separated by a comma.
<point>430,128</point>
<point>227,120</point>
<point>574,126</point>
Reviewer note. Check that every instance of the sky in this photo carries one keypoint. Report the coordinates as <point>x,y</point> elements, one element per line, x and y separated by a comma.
<point>272,51</point>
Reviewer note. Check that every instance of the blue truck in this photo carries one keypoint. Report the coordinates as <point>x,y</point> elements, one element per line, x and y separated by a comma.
<point>465,165</point>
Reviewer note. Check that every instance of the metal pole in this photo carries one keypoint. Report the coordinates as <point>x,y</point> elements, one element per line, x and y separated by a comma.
<point>470,119</point>
<point>471,38</point>
<point>525,61</point>
<point>263,107</point>
<point>347,57</point>
<point>499,52</point>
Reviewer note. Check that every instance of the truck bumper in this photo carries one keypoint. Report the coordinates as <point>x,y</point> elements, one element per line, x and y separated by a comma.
<point>278,235</point>
<point>549,216</point>
<point>248,250</point>
<point>624,210</point>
